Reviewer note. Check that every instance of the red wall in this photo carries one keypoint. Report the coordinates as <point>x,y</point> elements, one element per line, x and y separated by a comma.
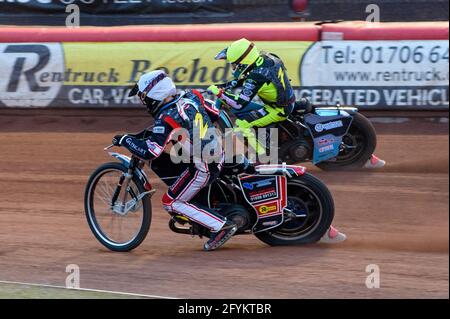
<point>227,32</point>
<point>359,30</point>
<point>355,30</point>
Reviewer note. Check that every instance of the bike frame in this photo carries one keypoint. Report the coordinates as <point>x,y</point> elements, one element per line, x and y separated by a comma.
<point>135,167</point>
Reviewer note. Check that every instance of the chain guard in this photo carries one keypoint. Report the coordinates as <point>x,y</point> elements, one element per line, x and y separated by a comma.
<point>296,151</point>
<point>239,215</point>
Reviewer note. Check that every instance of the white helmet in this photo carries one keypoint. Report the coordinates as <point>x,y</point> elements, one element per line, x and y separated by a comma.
<point>153,88</point>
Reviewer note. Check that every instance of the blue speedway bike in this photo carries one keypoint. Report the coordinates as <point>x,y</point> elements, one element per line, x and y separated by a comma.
<point>332,138</point>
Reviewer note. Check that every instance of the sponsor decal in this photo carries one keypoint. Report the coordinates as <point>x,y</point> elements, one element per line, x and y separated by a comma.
<point>265,182</point>
<point>247,92</point>
<point>244,97</point>
<point>320,127</point>
<point>271,223</point>
<point>159,130</point>
<point>248,85</point>
<point>268,209</point>
<point>326,148</point>
<point>248,186</point>
<point>175,188</point>
<point>325,141</point>
<point>153,147</point>
<point>234,83</point>
<point>135,147</point>
<point>263,195</point>
<point>260,190</point>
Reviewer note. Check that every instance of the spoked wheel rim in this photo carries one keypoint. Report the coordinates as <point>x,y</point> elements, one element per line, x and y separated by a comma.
<point>114,228</point>
<point>352,146</point>
<point>304,201</point>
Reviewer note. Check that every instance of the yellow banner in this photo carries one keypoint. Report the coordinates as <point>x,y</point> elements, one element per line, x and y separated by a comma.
<point>188,63</point>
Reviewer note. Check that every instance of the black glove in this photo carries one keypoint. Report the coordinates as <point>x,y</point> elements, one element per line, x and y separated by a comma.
<point>229,85</point>
<point>116,140</point>
<point>135,146</point>
<point>250,169</point>
<point>304,105</point>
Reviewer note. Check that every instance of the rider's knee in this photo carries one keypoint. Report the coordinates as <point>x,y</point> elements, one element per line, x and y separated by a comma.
<point>243,124</point>
<point>167,202</point>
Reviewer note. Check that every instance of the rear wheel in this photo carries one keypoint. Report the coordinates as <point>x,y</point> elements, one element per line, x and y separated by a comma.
<point>358,145</point>
<point>116,230</point>
<point>311,201</point>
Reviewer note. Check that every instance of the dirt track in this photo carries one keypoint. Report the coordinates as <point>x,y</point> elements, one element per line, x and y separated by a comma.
<point>397,218</point>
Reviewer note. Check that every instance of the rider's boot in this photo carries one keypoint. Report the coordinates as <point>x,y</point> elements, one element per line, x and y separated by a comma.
<point>375,162</point>
<point>333,236</point>
<point>218,239</point>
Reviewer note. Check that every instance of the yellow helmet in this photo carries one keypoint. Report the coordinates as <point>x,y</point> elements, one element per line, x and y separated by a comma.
<point>240,52</point>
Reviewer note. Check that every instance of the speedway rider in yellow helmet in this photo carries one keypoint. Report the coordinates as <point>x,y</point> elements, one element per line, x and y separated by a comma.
<point>265,75</point>
<point>257,74</point>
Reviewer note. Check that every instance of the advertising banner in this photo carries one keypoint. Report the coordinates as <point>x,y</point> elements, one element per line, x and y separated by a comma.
<point>100,74</point>
<point>381,75</point>
<point>377,74</point>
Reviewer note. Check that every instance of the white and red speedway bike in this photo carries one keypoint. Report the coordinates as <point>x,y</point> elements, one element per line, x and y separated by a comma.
<point>279,204</point>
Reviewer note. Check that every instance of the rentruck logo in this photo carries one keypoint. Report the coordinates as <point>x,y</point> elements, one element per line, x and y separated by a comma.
<point>24,81</point>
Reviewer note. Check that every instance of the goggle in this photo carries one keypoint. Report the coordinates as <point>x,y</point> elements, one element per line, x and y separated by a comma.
<point>222,55</point>
<point>151,85</point>
<point>142,95</point>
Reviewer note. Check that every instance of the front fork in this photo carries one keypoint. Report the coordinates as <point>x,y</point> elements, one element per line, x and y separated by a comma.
<point>124,182</point>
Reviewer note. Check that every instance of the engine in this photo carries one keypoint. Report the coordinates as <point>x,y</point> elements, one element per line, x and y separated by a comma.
<point>239,215</point>
<point>296,151</point>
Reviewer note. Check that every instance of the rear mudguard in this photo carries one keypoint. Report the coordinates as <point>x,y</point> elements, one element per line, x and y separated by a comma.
<point>281,170</point>
<point>327,127</point>
<point>139,172</point>
<point>266,192</point>
<point>335,110</point>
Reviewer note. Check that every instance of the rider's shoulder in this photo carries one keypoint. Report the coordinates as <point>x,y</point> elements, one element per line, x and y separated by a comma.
<point>189,99</point>
<point>268,61</point>
<point>269,55</point>
<point>193,95</point>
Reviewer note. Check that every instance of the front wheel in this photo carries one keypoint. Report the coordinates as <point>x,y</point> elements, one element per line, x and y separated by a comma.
<point>358,145</point>
<point>312,203</point>
<point>116,229</point>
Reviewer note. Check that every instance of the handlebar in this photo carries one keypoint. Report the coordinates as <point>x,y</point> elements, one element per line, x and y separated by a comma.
<point>226,86</point>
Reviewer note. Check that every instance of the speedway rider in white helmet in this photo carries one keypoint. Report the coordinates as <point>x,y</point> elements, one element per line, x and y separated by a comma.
<point>174,112</point>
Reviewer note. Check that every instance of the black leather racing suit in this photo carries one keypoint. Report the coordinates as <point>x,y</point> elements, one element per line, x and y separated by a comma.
<point>185,122</point>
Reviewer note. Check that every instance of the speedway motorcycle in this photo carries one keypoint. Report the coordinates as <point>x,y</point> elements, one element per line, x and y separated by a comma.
<point>279,204</point>
<point>333,138</point>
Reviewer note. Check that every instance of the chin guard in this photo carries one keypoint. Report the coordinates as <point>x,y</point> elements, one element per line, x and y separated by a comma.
<point>222,55</point>
<point>134,91</point>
